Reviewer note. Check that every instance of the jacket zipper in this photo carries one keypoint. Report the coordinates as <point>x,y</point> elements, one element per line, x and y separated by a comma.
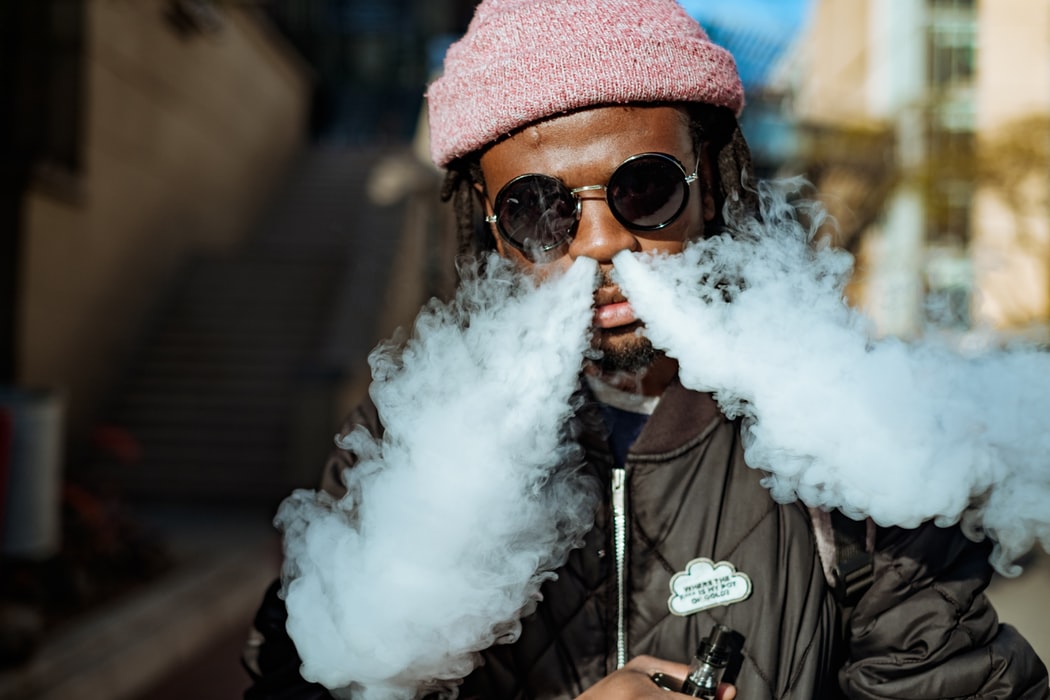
<point>619,504</point>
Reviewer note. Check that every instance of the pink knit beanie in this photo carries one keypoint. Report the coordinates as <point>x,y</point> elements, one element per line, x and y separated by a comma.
<point>524,60</point>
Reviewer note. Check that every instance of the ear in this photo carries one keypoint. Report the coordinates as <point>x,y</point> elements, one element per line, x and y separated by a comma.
<point>487,208</point>
<point>707,184</point>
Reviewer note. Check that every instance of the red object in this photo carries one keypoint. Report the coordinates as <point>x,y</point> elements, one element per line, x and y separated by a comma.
<point>119,442</point>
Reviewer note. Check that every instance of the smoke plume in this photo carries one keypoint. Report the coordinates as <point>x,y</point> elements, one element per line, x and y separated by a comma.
<point>454,518</point>
<point>457,514</point>
<point>901,432</point>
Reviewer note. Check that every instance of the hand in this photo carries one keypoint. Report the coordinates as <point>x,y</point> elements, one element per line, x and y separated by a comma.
<point>634,682</point>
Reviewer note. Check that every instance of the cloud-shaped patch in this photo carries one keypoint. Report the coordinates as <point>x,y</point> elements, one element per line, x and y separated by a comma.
<point>705,584</point>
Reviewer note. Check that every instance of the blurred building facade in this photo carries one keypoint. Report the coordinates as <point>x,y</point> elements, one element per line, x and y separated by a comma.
<point>135,135</point>
<point>173,122</point>
<point>177,174</point>
<point>925,126</point>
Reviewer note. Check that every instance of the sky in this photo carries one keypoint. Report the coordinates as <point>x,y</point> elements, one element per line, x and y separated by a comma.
<point>756,32</point>
<point>786,13</point>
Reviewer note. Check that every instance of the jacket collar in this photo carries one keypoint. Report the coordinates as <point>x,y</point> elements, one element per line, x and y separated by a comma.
<point>681,417</point>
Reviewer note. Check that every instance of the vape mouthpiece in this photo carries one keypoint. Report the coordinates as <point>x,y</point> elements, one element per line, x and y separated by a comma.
<point>712,656</point>
<point>718,645</point>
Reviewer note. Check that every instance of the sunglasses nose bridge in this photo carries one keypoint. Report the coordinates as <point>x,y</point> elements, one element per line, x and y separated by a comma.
<point>577,191</point>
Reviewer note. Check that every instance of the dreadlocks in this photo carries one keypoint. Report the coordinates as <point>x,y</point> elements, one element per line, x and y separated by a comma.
<point>713,127</point>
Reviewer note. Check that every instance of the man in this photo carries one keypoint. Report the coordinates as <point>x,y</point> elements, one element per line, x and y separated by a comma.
<point>577,128</point>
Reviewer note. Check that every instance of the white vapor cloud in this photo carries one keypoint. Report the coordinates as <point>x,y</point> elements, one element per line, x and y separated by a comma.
<point>901,432</point>
<point>454,518</point>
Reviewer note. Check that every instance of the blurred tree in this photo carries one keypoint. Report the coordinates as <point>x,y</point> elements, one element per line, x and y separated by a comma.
<point>372,60</point>
<point>856,169</point>
<point>1012,155</point>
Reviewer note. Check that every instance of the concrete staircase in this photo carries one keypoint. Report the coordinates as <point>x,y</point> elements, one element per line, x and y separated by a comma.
<point>234,392</point>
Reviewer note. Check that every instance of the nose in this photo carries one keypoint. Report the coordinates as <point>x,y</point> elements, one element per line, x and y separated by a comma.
<point>598,234</point>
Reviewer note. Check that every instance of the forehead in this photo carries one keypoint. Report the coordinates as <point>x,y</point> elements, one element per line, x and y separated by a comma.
<point>585,147</point>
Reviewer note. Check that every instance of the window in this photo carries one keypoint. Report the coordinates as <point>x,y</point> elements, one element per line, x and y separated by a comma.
<point>951,43</point>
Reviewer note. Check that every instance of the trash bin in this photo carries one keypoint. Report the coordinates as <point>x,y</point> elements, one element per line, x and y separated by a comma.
<point>31,439</point>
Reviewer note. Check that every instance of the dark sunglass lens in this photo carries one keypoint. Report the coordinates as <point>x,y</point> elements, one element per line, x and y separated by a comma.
<point>648,192</point>
<point>535,211</point>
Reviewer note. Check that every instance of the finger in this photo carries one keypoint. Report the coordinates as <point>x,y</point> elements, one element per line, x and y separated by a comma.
<point>726,691</point>
<point>651,664</point>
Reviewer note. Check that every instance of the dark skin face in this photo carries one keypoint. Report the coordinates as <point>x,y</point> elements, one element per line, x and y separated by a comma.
<point>584,148</point>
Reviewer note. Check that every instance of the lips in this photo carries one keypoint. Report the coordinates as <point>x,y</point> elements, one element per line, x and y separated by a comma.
<point>614,315</point>
<point>612,310</point>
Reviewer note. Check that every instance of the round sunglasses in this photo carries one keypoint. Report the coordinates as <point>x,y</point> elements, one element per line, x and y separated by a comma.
<point>538,213</point>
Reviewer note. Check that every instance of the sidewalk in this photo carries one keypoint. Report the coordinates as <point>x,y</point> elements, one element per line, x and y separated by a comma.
<point>123,650</point>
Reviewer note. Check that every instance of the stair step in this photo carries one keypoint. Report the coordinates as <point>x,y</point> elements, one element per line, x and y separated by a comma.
<point>217,394</point>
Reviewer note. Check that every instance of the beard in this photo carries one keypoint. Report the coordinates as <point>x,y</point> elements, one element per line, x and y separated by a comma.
<point>625,352</point>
